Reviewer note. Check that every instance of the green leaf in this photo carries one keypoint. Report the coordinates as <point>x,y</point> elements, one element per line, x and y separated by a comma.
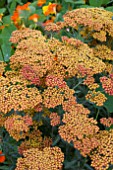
<point>4,168</point>
<point>109,103</point>
<point>8,1</point>
<point>2,10</point>
<point>6,45</point>
<point>110,8</point>
<point>12,7</point>
<point>86,6</point>
<point>7,19</point>
<point>96,3</point>
<point>32,9</point>
<point>75,2</point>
<point>1,41</point>
<point>105,2</point>
<point>19,2</point>
<point>59,17</point>
<point>6,51</point>
<point>42,18</point>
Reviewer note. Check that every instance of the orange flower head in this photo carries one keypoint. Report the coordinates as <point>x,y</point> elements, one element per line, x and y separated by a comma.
<point>15,17</point>
<point>2,157</point>
<point>23,7</point>
<point>50,9</point>
<point>34,17</point>
<point>41,2</point>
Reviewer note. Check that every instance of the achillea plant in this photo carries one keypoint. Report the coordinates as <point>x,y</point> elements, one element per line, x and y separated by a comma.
<point>95,26</point>
<point>40,92</point>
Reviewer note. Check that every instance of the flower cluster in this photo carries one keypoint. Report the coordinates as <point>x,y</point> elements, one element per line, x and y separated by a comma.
<point>17,126</point>
<point>35,140</point>
<point>2,68</point>
<point>28,54</point>
<point>107,122</point>
<point>54,119</point>
<point>53,80</point>
<point>50,9</point>
<point>16,18</point>
<point>30,75</point>
<point>49,158</point>
<point>53,96</point>
<point>96,20</point>
<point>107,84</point>
<point>39,80</point>
<point>14,94</point>
<point>79,129</point>
<point>70,57</point>
<point>103,52</point>
<point>102,156</point>
<point>96,97</point>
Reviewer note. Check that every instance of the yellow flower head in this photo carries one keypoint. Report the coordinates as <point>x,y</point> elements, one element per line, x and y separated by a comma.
<point>49,9</point>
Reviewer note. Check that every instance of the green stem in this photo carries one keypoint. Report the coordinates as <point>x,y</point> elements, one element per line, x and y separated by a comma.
<point>80,82</point>
<point>97,114</point>
<point>2,53</point>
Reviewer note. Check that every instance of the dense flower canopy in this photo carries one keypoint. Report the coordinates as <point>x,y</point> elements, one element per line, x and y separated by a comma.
<point>58,86</point>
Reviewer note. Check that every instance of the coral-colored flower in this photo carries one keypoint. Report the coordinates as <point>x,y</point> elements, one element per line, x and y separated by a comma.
<point>23,7</point>
<point>34,17</point>
<point>2,157</point>
<point>15,17</point>
<point>107,84</point>
<point>41,2</point>
<point>49,9</point>
<point>54,119</point>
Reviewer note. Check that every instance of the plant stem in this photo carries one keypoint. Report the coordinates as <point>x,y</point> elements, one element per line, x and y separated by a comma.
<point>2,53</point>
<point>97,114</point>
<point>80,82</point>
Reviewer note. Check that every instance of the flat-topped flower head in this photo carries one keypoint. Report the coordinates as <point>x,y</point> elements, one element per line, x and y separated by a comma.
<point>35,159</point>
